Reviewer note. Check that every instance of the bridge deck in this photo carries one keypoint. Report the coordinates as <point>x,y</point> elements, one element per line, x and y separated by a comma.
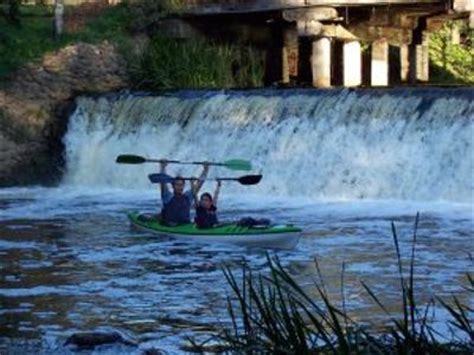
<point>215,7</point>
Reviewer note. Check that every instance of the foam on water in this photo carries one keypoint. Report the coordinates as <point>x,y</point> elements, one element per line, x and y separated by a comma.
<point>336,145</point>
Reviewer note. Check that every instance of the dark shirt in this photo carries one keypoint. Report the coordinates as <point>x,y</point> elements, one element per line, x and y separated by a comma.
<point>206,218</point>
<point>176,210</point>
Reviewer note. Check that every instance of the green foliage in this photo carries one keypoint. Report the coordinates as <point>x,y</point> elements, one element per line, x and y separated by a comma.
<point>34,38</point>
<point>10,10</point>
<point>19,45</point>
<point>170,63</point>
<point>452,63</point>
<point>145,14</point>
<point>273,314</point>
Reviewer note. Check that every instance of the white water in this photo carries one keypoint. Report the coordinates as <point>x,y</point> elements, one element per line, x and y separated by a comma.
<point>340,164</point>
<point>322,145</point>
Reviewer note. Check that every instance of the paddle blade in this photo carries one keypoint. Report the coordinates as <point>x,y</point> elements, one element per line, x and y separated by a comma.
<point>161,178</point>
<point>130,159</point>
<point>238,164</point>
<point>250,179</point>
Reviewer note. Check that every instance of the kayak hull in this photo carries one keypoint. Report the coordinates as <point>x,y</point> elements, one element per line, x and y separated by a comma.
<point>274,237</point>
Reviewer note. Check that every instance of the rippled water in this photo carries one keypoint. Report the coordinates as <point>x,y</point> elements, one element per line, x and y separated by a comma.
<point>70,261</point>
<point>342,164</point>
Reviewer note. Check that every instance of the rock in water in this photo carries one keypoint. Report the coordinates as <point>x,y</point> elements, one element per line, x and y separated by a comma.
<point>92,339</point>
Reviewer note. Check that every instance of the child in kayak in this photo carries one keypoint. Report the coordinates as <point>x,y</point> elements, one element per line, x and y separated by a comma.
<point>206,208</point>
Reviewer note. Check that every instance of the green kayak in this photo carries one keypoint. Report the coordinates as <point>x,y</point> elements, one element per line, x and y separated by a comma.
<point>279,237</point>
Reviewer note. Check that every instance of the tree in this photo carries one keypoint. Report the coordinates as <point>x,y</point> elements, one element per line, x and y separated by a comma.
<point>58,18</point>
<point>10,10</point>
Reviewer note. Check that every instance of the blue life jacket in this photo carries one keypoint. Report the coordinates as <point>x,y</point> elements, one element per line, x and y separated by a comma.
<point>177,210</point>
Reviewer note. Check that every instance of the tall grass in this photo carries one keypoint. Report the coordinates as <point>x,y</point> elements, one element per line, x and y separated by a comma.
<point>273,314</point>
<point>170,63</point>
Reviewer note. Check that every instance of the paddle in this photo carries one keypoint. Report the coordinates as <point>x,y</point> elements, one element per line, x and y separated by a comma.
<point>233,164</point>
<point>244,180</point>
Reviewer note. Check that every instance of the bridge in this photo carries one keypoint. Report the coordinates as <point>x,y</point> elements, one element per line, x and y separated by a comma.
<point>322,40</point>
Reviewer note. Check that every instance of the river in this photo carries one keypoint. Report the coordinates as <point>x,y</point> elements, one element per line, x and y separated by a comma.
<point>342,164</point>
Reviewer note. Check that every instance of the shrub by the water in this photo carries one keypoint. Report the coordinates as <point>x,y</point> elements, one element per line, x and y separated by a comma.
<point>170,63</point>
<point>451,62</point>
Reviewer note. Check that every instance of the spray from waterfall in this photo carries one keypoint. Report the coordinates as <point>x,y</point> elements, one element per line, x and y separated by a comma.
<point>332,144</point>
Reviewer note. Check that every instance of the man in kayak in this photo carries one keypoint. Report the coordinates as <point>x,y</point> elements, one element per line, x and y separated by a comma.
<point>177,205</point>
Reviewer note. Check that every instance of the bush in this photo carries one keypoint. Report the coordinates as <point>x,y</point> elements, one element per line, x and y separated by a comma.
<point>450,62</point>
<point>170,63</point>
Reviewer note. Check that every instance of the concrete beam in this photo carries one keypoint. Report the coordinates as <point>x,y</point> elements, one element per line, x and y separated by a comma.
<point>435,23</point>
<point>394,36</point>
<point>309,28</point>
<point>465,6</point>
<point>216,7</point>
<point>313,14</point>
<point>339,32</point>
<point>316,28</point>
<point>394,18</point>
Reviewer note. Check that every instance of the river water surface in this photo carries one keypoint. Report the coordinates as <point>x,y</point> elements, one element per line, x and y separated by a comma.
<point>341,164</point>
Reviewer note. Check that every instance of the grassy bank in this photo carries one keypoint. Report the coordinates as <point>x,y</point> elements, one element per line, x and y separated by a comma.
<point>33,37</point>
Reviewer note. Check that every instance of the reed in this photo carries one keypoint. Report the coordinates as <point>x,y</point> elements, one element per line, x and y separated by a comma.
<point>171,64</point>
<point>271,313</point>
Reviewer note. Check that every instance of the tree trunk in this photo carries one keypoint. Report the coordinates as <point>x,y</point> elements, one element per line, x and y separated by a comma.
<point>58,18</point>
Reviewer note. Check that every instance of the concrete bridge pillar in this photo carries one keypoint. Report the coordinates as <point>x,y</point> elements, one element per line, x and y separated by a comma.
<point>379,63</point>
<point>321,62</point>
<point>404,63</point>
<point>414,60</point>
<point>290,55</point>
<point>422,59</point>
<point>352,63</point>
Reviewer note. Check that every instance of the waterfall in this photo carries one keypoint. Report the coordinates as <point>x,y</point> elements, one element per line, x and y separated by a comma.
<point>410,144</point>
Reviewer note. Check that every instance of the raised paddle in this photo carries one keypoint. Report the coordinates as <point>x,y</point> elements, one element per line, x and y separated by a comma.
<point>166,179</point>
<point>233,164</point>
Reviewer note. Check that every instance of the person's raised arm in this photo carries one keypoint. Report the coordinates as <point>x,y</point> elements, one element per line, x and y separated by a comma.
<point>163,188</point>
<point>202,178</point>
<point>216,192</point>
<point>194,191</point>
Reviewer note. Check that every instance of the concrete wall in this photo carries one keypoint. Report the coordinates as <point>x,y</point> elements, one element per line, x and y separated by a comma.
<point>77,2</point>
